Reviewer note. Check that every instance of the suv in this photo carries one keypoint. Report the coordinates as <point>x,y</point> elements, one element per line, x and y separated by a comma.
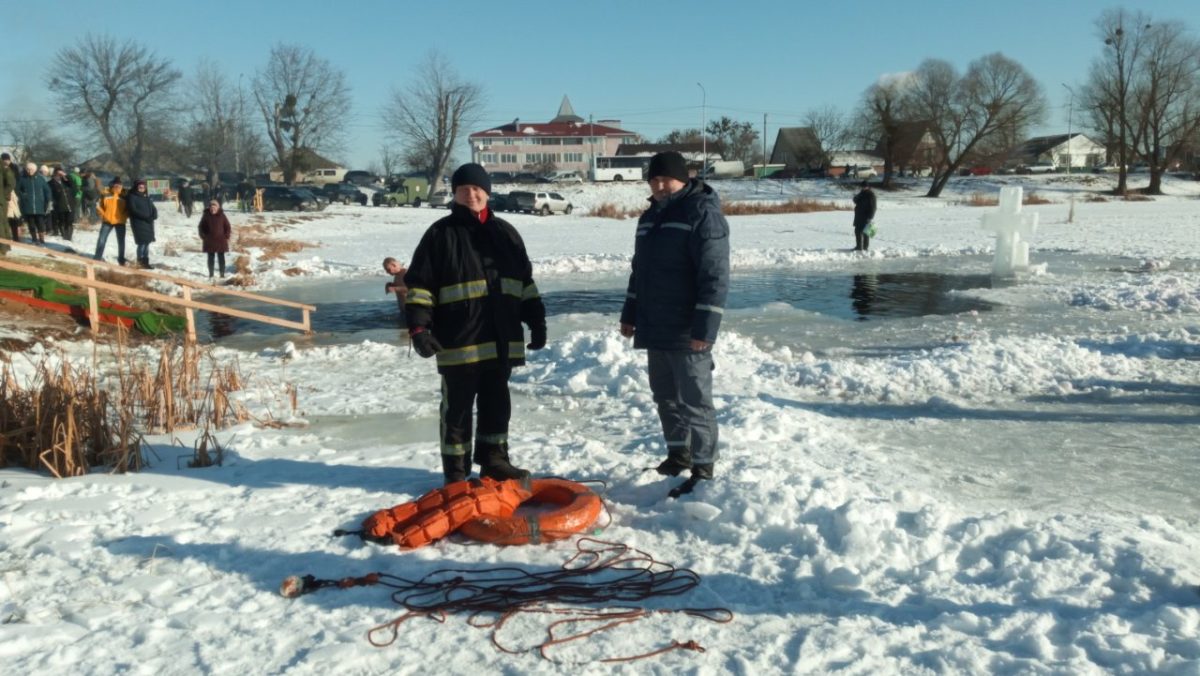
<point>441,198</point>
<point>1041,167</point>
<point>542,203</point>
<point>360,178</point>
<point>566,177</point>
<point>283,198</point>
<point>344,193</point>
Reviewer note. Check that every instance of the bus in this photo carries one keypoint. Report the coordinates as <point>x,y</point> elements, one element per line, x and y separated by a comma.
<point>620,168</point>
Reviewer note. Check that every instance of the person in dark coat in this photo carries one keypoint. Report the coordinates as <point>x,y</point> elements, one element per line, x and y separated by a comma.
<point>92,191</point>
<point>9,227</point>
<point>470,287</point>
<point>142,214</point>
<point>673,309</point>
<point>187,195</point>
<point>215,232</point>
<point>62,198</point>
<point>33,193</point>
<point>864,213</point>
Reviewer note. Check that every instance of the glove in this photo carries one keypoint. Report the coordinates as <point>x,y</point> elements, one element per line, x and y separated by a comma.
<point>424,342</point>
<point>537,338</point>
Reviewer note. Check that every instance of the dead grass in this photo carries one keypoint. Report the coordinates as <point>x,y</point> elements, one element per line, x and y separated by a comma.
<point>67,420</point>
<point>243,274</point>
<point>273,248</point>
<point>1095,198</point>
<point>796,206</point>
<point>981,200</point>
<point>610,210</point>
<point>1137,197</point>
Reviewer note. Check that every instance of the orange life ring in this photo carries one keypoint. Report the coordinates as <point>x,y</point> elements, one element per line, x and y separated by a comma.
<point>442,511</point>
<point>579,507</point>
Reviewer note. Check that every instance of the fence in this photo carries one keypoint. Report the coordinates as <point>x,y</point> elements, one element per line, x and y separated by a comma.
<point>89,281</point>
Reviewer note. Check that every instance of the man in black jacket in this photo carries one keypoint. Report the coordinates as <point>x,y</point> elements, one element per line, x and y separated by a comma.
<point>673,310</point>
<point>470,287</point>
<point>864,213</point>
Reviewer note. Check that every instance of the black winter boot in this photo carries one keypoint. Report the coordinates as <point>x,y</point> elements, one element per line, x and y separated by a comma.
<point>494,464</point>
<point>675,463</point>
<point>455,468</point>
<point>700,472</point>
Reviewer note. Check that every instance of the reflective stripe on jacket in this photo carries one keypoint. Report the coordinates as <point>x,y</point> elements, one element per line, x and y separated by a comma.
<point>471,284</point>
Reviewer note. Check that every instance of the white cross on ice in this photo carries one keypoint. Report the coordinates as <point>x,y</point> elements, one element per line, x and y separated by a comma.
<point>1010,226</point>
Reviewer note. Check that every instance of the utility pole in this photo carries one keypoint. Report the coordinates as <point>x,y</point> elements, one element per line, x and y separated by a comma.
<point>703,135</point>
<point>764,162</point>
<point>1070,160</point>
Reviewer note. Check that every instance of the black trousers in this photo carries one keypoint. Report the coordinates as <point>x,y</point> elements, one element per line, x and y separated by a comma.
<point>37,225</point>
<point>462,393</point>
<point>220,259</point>
<point>861,241</point>
<point>62,224</point>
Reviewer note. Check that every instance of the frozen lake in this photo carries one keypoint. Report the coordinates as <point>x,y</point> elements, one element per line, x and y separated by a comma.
<point>1083,449</point>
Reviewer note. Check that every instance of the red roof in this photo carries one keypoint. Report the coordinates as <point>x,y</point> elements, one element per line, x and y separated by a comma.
<point>531,129</point>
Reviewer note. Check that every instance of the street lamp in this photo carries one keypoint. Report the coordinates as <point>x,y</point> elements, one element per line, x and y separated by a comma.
<point>703,138</point>
<point>1070,109</point>
<point>237,132</point>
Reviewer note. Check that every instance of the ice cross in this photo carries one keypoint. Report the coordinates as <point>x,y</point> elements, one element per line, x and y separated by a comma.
<point>1010,226</point>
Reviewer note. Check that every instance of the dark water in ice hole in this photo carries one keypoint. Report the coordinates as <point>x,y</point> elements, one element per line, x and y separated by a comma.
<point>853,297</point>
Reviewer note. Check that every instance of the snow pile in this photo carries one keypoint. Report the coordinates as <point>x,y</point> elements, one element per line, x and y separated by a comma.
<point>1143,293</point>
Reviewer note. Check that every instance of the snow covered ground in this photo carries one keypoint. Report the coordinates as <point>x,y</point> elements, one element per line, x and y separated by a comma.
<point>1002,491</point>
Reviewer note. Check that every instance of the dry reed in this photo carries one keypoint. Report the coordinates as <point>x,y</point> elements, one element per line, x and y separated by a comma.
<point>610,210</point>
<point>795,206</point>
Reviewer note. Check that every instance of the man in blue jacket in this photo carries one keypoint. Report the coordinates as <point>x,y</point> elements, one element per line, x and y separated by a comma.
<point>673,310</point>
<point>33,193</point>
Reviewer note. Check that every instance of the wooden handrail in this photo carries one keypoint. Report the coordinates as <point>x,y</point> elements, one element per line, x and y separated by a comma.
<point>92,284</point>
<point>207,288</point>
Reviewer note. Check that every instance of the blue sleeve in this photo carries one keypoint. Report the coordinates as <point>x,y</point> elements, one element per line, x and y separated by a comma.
<point>710,255</point>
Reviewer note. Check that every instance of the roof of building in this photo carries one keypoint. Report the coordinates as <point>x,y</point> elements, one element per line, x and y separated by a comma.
<point>518,129</point>
<point>566,113</point>
<point>795,143</point>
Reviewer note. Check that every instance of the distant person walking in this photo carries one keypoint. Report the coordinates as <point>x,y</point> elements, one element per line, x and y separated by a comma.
<point>187,196</point>
<point>33,194</point>
<point>142,214</point>
<point>673,310</point>
<point>864,213</point>
<point>113,215</point>
<point>215,233</point>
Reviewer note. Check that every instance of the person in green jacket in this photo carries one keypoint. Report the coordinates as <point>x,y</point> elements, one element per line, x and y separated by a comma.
<point>76,180</point>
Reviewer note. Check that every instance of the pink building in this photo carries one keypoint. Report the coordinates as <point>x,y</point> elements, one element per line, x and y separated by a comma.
<point>569,141</point>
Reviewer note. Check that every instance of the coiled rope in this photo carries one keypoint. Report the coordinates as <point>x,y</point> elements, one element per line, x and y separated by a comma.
<point>599,572</point>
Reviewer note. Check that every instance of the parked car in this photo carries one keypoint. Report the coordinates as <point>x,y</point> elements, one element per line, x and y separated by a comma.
<point>501,176</point>
<point>441,198</point>
<point>566,177</point>
<point>499,201</point>
<point>526,177</point>
<point>1040,167</point>
<point>1140,168</point>
<point>316,195</point>
<point>542,203</point>
<point>346,193</point>
<point>1106,168</point>
<point>360,178</point>
<point>284,198</point>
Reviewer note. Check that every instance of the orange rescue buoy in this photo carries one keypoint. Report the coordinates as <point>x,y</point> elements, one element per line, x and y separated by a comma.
<point>578,509</point>
<point>442,511</point>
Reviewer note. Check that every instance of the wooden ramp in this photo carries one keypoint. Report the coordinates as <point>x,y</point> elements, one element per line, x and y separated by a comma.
<point>88,281</point>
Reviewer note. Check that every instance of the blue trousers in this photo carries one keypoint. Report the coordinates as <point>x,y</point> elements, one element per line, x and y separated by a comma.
<point>105,229</point>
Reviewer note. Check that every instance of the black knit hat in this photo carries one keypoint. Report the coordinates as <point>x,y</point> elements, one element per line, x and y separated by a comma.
<point>471,174</point>
<point>670,164</point>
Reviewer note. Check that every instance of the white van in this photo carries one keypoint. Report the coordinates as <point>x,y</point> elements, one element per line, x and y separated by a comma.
<point>323,176</point>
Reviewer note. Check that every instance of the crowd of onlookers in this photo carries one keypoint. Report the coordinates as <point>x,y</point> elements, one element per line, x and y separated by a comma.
<point>45,201</point>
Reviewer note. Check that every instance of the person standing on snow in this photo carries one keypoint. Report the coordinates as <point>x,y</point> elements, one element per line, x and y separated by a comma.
<point>215,232</point>
<point>470,287</point>
<point>142,214</point>
<point>33,193</point>
<point>113,214</point>
<point>864,213</point>
<point>673,310</point>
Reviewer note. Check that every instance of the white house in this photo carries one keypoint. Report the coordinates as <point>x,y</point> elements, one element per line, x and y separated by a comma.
<point>1077,151</point>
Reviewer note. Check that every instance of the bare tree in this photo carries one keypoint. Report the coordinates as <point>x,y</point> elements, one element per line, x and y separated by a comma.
<point>1166,97</point>
<point>829,126</point>
<point>304,102</point>
<point>37,141</point>
<point>735,140</point>
<point>116,91</point>
<point>216,120</point>
<point>389,160</point>
<point>681,136</point>
<point>996,99</point>
<point>1112,78</point>
<point>882,121</point>
<point>430,114</point>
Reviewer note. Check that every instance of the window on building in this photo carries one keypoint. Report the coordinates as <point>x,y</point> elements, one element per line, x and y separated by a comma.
<point>573,141</point>
<point>572,157</point>
<point>508,158</point>
<point>488,158</point>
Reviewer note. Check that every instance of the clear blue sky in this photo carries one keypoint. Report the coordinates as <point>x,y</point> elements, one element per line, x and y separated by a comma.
<point>638,62</point>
